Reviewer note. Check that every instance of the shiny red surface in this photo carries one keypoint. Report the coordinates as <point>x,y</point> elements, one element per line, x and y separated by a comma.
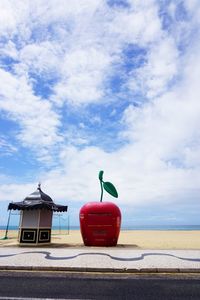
<point>100,223</point>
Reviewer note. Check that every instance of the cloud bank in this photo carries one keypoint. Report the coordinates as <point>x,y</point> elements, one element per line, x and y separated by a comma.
<point>90,85</point>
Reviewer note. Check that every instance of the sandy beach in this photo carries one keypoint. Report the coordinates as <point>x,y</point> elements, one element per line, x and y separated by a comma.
<point>137,239</point>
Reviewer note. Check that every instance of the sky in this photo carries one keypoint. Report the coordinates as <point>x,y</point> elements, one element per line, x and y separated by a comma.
<point>113,85</point>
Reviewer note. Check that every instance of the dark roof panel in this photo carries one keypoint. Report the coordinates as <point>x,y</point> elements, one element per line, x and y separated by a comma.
<point>38,195</point>
<point>37,200</point>
<point>37,205</point>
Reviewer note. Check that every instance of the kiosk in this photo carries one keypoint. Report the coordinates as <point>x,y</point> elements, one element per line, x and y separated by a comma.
<point>36,217</point>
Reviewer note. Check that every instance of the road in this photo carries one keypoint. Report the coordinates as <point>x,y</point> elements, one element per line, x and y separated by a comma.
<point>98,286</point>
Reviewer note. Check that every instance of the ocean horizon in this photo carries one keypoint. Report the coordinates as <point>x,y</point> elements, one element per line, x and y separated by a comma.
<point>124,227</point>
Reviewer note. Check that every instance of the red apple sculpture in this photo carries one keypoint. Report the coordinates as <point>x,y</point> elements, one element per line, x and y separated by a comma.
<point>100,221</point>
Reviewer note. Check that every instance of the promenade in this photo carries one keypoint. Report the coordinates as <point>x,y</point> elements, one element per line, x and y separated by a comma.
<point>99,259</point>
<point>67,253</point>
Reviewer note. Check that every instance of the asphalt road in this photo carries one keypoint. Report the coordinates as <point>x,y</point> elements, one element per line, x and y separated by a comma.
<point>97,286</point>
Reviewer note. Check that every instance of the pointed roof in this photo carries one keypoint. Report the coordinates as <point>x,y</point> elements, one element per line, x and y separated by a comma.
<point>37,200</point>
<point>38,195</point>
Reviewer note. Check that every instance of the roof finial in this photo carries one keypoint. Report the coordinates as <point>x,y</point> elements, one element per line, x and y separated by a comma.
<point>39,185</point>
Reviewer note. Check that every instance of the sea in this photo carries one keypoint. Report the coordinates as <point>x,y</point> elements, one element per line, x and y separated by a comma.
<point>129,227</point>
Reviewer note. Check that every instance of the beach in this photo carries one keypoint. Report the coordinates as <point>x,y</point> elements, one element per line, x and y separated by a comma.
<point>136,239</point>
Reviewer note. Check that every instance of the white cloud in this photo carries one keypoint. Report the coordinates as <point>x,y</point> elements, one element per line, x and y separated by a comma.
<point>86,44</point>
<point>40,58</point>
<point>6,148</point>
<point>38,122</point>
<point>8,19</point>
<point>161,67</point>
<point>83,72</point>
<point>131,24</point>
<point>17,192</point>
<point>160,162</point>
<point>99,35</point>
<point>9,50</point>
<point>14,18</point>
<point>192,6</point>
<point>165,139</point>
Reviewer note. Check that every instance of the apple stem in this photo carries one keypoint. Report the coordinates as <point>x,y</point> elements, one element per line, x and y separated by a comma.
<point>101,191</point>
<point>101,180</point>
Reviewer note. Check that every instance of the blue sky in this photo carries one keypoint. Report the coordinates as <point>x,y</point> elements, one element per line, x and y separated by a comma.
<point>89,85</point>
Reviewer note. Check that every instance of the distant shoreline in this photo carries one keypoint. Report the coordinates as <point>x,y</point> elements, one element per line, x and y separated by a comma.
<point>129,228</point>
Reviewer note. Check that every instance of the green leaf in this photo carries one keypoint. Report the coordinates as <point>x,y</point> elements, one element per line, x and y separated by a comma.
<point>109,187</point>
<point>101,175</point>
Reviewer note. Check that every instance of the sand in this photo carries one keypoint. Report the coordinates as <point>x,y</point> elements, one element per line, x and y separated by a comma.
<point>136,239</point>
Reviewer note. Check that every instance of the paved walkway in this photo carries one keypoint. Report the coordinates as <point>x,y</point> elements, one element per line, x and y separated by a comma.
<point>99,259</point>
